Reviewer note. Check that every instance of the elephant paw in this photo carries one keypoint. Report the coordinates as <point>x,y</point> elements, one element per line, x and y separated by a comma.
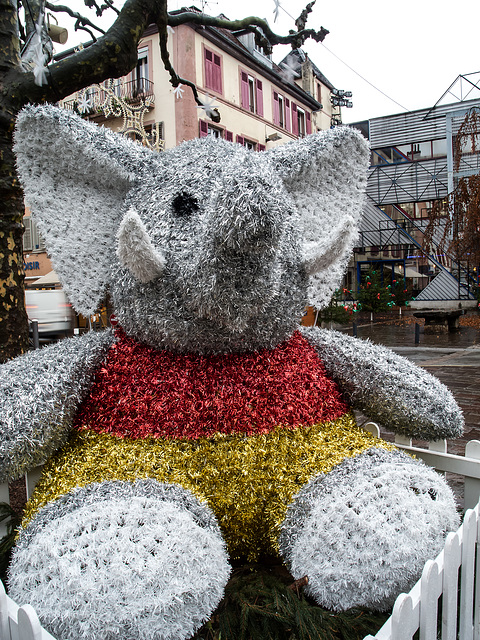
<point>363,532</point>
<point>121,560</point>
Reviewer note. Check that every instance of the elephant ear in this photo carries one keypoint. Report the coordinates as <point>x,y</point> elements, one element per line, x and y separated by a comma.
<point>75,176</point>
<point>325,174</point>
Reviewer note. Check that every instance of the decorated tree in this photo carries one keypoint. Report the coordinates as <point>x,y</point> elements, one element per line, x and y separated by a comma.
<point>401,293</point>
<point>374,295</point>
<point>339,310</point>
<point>29,75</point>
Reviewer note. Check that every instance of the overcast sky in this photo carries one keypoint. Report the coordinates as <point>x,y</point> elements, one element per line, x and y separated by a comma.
<point>410,51</point>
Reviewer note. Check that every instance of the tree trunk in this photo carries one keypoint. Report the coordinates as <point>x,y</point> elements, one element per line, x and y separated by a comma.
<point>13,318</point>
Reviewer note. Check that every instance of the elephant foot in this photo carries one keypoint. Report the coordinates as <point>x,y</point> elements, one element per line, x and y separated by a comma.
<point>363,532</point>
<point>139,560</point>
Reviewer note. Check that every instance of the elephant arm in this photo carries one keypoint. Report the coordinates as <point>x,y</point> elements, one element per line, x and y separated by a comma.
<point>388,388</point>
<point>39,394</point>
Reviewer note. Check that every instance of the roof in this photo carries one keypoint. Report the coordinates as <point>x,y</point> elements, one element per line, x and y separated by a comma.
<point>296,58</point>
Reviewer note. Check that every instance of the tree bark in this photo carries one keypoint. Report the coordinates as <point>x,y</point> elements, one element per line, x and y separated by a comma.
<point>13,318</point>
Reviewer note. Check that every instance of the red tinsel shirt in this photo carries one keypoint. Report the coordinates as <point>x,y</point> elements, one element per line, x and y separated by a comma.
<point>140,391</point>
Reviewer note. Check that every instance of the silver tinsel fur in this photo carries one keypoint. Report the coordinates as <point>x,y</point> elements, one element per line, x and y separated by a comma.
<point>387,387</point>
<point>39,394</point>
<point>363,531</point>
<point>168,578</point>
<point>206,248</point>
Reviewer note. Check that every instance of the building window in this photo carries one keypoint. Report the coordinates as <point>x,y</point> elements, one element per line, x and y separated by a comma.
<point>301,121</point>
<point>32,240</point>
<point>140,80</point>
<point>281,111</point>
<point>301,128</point>
<point>208,129</point>
<point>213,71</point>
<point>251,93</point>
<point>250,144</point>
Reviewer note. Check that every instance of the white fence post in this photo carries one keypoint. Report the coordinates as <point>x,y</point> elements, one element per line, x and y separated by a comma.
<point>29,627</point>
<point>430,590</point>
<point>19,623</point>
<point>476,617</point>
<point>467,577</point>
<point>4,623</point>
<point>452,560</point>
<point>418,610</point>
<point>472,485</point>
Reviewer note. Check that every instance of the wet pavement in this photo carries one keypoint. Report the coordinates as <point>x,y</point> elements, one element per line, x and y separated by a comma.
<point>453,357</point>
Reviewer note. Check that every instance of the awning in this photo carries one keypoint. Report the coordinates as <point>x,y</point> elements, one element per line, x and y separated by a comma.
<point>48,280</point>
<point>412,273</point>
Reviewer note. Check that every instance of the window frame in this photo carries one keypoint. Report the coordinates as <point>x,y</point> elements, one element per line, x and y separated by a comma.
<point>205,126</point>
<point>213,79</point>
<point>251,92</point>
<point>245,141</point>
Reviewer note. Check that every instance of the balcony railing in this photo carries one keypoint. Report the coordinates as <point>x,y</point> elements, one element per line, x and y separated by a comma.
<point>92,100</point>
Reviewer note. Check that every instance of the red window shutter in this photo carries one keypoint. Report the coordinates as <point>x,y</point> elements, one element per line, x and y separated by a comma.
<point>228,136</point>
<point>261,147</point>
<point>241,140</point>
<point>287,114</point>
<point>294,119</point>
<point>244,90</point>
<point>259,87</point>
<point>203,128</point>
<point>308,121</point>
<point>208,69</point>
<point>276,109</point>
<point>217,73</point>
<point>213,71</point>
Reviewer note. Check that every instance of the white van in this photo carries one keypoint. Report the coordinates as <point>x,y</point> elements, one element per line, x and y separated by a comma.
<point>52,310</point>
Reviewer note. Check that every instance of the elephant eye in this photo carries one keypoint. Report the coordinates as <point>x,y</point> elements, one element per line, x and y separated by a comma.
<point>184,205</point>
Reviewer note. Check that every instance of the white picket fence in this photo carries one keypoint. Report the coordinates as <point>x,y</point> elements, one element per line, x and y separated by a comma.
<point>445,602</point>
<point>456,570</point>
<point>19,623</point>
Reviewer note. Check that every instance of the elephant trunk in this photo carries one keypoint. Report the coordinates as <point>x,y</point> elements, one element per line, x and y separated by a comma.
<point>237,266</point>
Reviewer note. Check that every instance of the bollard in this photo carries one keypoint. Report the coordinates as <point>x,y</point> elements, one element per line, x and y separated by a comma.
<point>417,333</point>
<point>36,339</point>
<point>354,328</point>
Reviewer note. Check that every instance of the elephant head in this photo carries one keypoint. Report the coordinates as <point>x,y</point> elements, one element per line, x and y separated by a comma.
<point>207,247</point>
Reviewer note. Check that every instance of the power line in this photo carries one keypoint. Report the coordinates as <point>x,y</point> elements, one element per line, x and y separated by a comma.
<point>278,5</point>
<point>364,79</point>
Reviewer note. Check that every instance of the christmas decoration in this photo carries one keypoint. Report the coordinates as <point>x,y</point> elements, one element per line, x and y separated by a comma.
<point>106,98</point>
<point>207,417</point>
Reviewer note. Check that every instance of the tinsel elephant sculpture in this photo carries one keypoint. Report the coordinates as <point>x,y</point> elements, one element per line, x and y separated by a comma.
<point>208,425</point>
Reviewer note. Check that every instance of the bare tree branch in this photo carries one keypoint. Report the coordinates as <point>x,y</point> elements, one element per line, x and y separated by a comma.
<point>294,38</point>
<point>109,5</point>
<point>301,21</point>
<point>81,21</point>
